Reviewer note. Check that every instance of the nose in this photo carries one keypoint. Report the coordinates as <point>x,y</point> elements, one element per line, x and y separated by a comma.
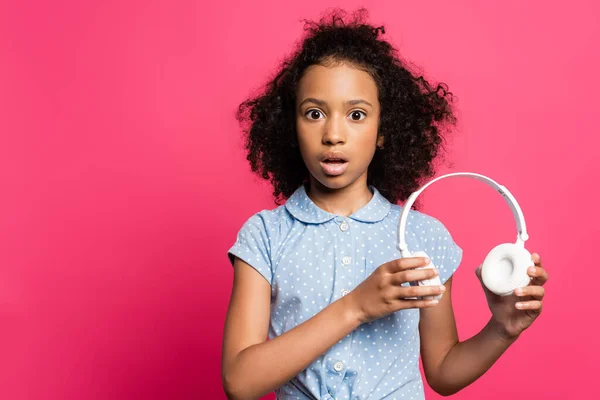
<point>334,132</point>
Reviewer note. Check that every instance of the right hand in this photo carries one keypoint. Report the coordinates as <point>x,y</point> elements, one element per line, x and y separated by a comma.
<point>382,294</point>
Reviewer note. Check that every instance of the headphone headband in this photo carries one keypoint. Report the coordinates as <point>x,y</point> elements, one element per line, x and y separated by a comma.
<point>512,203</point>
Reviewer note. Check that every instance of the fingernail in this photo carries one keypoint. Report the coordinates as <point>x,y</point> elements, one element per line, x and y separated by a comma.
<point>519,305</point>
<point>519,291</point>
<point>434,301</point>
<point>442,288</point>
<point>436,271</point>
<point>531,269</point>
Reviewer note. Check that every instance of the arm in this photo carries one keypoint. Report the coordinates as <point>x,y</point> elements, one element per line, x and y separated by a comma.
<point>252,366</point>
<point>450,365</point>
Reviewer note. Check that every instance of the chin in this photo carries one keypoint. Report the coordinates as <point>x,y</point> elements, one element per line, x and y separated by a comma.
<point>334,182</point>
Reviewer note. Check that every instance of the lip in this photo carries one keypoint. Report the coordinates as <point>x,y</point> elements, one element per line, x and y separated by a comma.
<point>334,169</point>
<point>338,155</point>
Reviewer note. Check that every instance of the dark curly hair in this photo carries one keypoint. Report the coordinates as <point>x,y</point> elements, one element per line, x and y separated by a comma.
<point>413,112</point>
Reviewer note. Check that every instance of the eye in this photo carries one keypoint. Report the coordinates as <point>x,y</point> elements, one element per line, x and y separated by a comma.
<point>313,114</point>
<point>357,115</point>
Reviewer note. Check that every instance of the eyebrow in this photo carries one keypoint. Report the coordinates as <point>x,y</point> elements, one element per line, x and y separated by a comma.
<point>322,102</point>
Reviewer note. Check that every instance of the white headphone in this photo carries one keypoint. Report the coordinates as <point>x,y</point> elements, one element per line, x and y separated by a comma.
<point>505,267</point>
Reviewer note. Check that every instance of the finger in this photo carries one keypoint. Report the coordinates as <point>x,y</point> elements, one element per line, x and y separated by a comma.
<point>403,264</point>
<point>537,259</point>
<point>532,305</point>
<point>419,303</point>
<point>413,275</point>
<point>539,275</point>
<point>419,291</point>
<point>537,292</point>
<point>478,272</point>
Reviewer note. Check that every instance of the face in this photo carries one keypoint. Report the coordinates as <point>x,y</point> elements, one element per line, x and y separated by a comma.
<point>337,117</point>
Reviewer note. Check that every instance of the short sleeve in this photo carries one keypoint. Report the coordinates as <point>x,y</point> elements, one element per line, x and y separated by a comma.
<point>441,248</point>
<point>252,246</point>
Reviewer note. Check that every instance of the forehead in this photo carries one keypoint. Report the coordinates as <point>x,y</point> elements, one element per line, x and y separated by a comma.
<point>340,81</point>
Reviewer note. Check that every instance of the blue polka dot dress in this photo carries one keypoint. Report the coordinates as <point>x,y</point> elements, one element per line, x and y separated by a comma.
<point>311,258</point>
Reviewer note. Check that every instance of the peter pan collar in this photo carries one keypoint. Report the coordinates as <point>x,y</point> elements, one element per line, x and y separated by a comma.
<point>305,210</point>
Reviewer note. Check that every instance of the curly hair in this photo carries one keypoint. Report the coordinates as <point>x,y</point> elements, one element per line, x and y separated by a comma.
<point>413,112</point>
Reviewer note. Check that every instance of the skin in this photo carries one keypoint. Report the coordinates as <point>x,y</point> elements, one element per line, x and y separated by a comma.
<point>330,117</point>
<point>338,109</point>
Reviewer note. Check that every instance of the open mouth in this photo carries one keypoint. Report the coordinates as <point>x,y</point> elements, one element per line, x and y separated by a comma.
<point>334,161</point>
<point>334,166</point>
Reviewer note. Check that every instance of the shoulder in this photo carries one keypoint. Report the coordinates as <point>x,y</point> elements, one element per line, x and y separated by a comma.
<point>427,233</point>
<point>417,219</point>
<point>258,239</point>
<point>422,229</point>
<point>268,223</point>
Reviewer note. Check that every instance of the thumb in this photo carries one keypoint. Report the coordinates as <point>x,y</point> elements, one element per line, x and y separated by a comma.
<point>478,272</point>
<point>488,294</point>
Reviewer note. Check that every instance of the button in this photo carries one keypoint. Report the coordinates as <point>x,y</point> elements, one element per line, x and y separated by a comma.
<point>345,292</point>
<point>344,226</point>
<point>346,260</point>
<point>338,366</point>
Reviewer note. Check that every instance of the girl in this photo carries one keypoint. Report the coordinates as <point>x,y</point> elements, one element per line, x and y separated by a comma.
<point>343,132</point>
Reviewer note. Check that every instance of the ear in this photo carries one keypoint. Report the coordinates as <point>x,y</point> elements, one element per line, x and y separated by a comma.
<point>380,140</point>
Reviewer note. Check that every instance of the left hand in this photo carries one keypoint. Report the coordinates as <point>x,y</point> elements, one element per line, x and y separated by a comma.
<point>514,313</point>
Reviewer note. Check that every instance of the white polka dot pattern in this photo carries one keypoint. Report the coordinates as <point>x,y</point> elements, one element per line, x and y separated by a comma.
<point>312,258</point>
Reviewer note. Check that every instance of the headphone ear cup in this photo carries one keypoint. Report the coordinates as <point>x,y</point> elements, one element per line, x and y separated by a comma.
<point>505,268</point>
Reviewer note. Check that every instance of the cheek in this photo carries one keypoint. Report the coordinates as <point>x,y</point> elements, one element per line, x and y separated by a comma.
<point>308,137</point>
<point>300,136</point>
<point>366,146</point>
<point>368,139</point>
<point>302,133</point>
<point>305,146</point>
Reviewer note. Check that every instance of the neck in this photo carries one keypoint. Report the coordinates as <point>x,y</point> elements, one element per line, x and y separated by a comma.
<point>344,201</point>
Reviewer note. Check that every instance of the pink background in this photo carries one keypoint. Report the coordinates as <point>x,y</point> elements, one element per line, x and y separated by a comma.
<point>124,181</point>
